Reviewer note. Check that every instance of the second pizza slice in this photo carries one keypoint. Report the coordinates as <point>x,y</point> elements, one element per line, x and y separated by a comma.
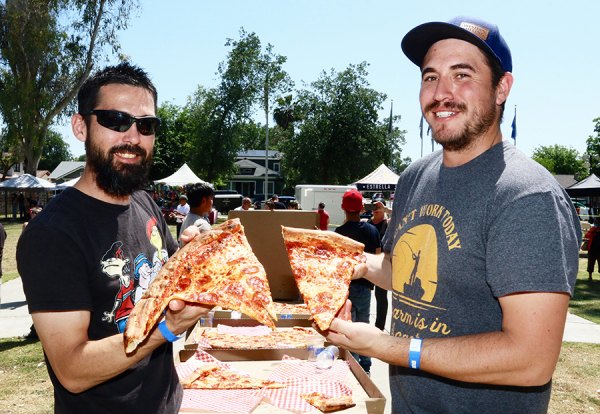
<point>322,263</point>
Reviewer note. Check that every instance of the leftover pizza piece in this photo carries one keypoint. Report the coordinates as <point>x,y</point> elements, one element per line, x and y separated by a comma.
<point>328,404</point>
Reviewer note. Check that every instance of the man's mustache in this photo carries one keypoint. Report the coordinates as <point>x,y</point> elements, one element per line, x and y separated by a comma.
<point>446,106</point>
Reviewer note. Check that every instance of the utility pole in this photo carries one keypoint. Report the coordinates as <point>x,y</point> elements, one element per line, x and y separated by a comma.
<point>266,104</point>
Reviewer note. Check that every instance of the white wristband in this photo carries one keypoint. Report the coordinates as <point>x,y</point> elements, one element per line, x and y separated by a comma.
<point>414,353</point>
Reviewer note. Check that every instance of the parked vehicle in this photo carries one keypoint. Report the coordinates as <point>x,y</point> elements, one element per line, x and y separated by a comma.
<point>286,199</point>
<point>310,195</point>
<point>226,200</point>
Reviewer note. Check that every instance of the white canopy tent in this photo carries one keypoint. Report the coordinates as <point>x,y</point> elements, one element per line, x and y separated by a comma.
<point>26,182</point>
<point>66,184</point>
<point>181,177</point>
<point>380,179</point>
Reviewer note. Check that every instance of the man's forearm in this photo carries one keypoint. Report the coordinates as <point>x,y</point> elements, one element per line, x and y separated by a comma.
<point>523,353</point>
<point>95,362</point>
<point>379,270</point>
<point>484,358</point>
<point>80,363</point>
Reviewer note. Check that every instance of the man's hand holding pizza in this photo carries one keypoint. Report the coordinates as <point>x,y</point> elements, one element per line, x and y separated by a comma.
<point>377,269</point>
<point>181,315</point>
<point>358,337</point>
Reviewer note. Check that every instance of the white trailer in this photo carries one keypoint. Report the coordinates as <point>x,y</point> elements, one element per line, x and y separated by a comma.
<point>310,195</point>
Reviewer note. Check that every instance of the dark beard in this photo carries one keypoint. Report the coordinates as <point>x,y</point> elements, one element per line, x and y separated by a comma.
<point>118,180</point>
<point>472,130</point>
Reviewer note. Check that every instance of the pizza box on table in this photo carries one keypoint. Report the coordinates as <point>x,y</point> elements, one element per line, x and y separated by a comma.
<point>261,362</point>
<point>263,231</point>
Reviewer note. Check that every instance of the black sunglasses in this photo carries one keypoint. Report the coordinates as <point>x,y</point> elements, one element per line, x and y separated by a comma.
<point>122,121</point>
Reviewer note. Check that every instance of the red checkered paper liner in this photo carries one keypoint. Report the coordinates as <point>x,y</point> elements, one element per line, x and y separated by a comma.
<point>303,377</point>
<point>201,340</point>
<point>289,398</point>
<point>242,401</point>
<point>221,401</point>
<point>298,368</point>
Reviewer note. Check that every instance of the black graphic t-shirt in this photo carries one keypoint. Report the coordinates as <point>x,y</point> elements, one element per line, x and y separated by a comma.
<point>460,238</point>
<point>84,254</point>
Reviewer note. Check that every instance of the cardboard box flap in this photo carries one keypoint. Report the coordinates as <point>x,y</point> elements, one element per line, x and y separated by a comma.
<point>263,231</point>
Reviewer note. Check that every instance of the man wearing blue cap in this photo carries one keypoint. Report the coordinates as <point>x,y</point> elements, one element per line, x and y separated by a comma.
<point>480,290</point>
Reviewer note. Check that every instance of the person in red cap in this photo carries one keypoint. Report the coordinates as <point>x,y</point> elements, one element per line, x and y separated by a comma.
<point>367,234</point>
<point>480,291</point>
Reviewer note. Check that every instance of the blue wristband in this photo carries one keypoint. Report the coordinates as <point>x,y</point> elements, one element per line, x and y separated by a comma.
<point>164,330</point>
<point>414,353</point>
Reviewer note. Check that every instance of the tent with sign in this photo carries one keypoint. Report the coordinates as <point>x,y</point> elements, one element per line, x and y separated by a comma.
<point>181,177</point>
<point>381,179</point>
<point>588,187</point>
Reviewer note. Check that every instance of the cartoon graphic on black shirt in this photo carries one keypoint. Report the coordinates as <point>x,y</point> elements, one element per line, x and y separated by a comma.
<point>115,264</point>
<point>143,272</point>
<point>161,255</point>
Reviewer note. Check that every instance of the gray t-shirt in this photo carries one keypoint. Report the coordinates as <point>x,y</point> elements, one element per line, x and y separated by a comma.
<point>196,220</point>
<point>461,238</point>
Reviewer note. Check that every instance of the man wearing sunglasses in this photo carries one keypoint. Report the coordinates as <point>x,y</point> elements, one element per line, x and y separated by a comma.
<point>77,259</point>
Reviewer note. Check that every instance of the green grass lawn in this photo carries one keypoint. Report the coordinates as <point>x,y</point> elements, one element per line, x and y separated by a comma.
<point>586,300</point>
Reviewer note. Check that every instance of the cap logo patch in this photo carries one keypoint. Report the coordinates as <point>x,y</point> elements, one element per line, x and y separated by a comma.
<point>480,32</point>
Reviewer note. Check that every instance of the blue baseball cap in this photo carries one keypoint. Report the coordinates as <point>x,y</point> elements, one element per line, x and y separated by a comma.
<point>484,35</point>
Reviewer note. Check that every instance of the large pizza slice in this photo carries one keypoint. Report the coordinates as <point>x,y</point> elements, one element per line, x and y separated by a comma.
<point>322,263</point>
<point>215,268</point>
<point>216,377</point>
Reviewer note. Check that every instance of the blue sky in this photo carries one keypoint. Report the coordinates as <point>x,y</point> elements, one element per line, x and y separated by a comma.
<point>554,46</point>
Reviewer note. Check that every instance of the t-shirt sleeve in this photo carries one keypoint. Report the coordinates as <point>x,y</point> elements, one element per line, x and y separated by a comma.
<point>53,271</point>
<point>202,225</point>
<point>533,252</point>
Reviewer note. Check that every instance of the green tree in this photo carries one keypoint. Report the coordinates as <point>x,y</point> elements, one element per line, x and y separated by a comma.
<point>252,135</point>
<point>559,159</point>
<point>275,81</point>
<point>593,149</point>
<point>47,50</point>
<point>340,137</point>
<point>8,156</point>
<point>285,114</point>
<point>55,151</point>
<point>172,142</point>
<point>220,116</point>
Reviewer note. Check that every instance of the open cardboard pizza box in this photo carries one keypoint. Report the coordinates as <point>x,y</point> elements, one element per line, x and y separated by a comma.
<point>263,231</point>
<point>261,362</point>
